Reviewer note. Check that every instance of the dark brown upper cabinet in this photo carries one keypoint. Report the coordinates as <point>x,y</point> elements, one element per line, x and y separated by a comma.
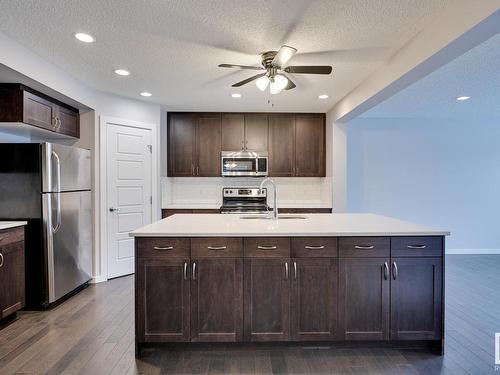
<point>20,104</point>
<point>282,145</point>
<point>295,142</point>
<point>309,145</point>
<point>194,144</point>
<point>244,131</point>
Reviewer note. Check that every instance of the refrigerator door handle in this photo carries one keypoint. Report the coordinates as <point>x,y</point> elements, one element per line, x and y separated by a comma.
<point>58,192</point>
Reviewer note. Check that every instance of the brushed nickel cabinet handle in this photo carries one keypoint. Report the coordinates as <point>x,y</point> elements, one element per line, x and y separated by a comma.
<point>416,246</point>
<point>194,270</point>
<point>1,260</point>
<point>197,170</point>
<point>314,247</point>
<point>216,247</point>
<point>364,247</point>
<point>386,270</point>
<point>164,248</point>
<point>267,247</point>
<point>192,170</point>
<point>295,270</point>
<point>185,271</point>
<point>287,275</point>
<point>394,270</point>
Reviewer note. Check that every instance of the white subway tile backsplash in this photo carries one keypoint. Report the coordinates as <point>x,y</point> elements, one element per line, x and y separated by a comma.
<point>207,192</point>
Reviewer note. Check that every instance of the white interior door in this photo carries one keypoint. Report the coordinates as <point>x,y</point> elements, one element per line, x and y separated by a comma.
<point>129,194</point>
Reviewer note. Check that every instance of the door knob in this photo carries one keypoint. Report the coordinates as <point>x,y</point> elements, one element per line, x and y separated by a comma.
<point>114,209</point>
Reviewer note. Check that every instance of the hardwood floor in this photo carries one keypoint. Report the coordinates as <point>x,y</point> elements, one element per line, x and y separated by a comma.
<point>92,333</point>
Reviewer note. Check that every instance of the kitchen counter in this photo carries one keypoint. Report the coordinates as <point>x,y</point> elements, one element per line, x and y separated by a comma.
<point>335,225</point>
<point>11,224</point>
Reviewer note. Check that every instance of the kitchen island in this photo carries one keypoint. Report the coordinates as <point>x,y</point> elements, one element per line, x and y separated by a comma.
<point>337,278</point>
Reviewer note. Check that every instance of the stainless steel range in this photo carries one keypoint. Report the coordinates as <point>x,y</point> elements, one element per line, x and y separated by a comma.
<point>236,200</point>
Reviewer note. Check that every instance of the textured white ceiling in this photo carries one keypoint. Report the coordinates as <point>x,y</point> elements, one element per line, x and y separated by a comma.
<point>476,74</point>
<point>172,48</point>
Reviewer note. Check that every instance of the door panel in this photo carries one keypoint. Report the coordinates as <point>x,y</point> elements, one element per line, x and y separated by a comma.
<point>310,145</point>
<point>69,121</point>
<point>314,299</point>
<point>129,176</point>
<point>233,132</point>
<point>208,145</point>
<point>267,299</point>
<point>364,298</point>
<point>181,144</point>
<point>256,132</point>
<point>74,164</point>
<point>12,278</point>
<point>282,145</point>
<point>38,111</point>
<point>69,240</point>
<point>416,299</point>
<point>217,299</point>
<point>162,300</point>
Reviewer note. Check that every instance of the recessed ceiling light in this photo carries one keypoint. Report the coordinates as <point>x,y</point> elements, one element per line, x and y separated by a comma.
<point>83,37</point>
<point>122,72</point>
<point>145,93</point>
<point>462,98</point>
<point>323,96</point>
<point>236,95</point>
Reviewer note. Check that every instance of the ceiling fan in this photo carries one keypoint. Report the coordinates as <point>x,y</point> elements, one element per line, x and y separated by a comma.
<point>275,75</point>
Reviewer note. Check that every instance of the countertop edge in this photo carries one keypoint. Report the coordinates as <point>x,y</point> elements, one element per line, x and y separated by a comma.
<point>299,234</point>
<point>12,224</point>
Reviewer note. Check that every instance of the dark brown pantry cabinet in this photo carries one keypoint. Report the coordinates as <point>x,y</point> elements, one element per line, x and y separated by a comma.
<point>233,289</point>
<point>12,296</point>
<point>20,104</point>
<point>194,144</point>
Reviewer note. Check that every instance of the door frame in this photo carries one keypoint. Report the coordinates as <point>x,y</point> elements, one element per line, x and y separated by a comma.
<point>102,275</point>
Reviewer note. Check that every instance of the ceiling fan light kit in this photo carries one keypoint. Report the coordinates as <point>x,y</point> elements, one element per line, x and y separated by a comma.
<point>273,63</point>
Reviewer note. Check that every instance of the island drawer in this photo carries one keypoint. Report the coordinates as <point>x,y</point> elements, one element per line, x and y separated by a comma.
<point>431,246</point>
<point>262,247</point>
<point>216,247</point>
<point>11,235</point>
<point>354,247</point>
<point>162,247</point>
<point>314,247</point>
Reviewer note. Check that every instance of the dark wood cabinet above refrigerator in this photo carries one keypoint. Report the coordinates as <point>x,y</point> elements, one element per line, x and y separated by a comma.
<point>22,107</point>
<point>295,142</point>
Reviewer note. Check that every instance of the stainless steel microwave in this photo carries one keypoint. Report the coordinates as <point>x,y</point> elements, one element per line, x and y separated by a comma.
<point>243,163</point>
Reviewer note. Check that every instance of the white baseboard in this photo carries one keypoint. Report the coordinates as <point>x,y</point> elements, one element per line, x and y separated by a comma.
<point>97,279</point>
<point>473,251</point>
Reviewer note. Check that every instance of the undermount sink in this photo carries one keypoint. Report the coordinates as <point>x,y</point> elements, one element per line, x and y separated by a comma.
<point>268,217</point>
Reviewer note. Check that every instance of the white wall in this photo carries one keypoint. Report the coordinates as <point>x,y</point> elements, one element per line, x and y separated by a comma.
<point>443,173</point>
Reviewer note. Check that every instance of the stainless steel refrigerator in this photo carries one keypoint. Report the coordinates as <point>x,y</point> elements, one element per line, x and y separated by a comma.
<point>49,185</point>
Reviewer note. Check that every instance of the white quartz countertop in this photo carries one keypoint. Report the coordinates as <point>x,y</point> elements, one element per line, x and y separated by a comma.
<point>232,225</point>
<point>11,224</point>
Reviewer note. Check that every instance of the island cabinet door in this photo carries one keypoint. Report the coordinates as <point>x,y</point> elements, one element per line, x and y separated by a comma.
<point>416,298</point>
<point>267,299</point>
<point>364,298</point>
<point>162,300</point>
<point>217,299</point>
<point>314,299</point>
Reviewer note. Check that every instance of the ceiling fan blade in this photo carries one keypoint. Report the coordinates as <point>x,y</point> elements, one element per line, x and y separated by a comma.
<point>244,82</point>
<point>309,69</point>
<point>284,54</point>
<point>290,84</point>
<point>249,67</point>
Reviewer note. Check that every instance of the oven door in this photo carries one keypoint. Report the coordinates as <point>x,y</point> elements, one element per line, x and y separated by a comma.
<point>239,166</point>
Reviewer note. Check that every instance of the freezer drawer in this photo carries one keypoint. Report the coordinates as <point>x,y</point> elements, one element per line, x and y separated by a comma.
<point>67,221</point>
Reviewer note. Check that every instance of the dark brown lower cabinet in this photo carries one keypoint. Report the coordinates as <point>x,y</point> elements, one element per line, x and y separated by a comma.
<point>217,299</point>
<point>11,278</point>
<point>314,299</point>
<point>267,299</point>
<point>416,298</point>
<point>364,298</point>
<point>163,300</point>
